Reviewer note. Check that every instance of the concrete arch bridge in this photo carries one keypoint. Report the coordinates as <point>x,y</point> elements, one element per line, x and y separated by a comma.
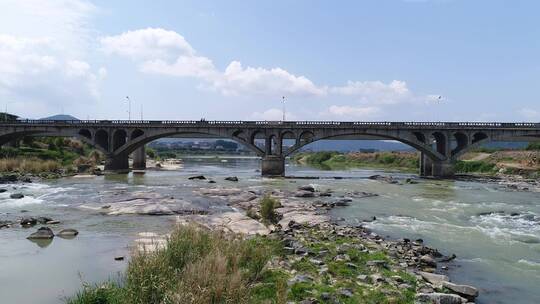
<point>440,143</point>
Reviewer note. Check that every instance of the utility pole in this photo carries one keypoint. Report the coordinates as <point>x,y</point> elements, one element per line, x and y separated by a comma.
<point>283,100</point>
<point>129,107</point>
<point>141,111</point>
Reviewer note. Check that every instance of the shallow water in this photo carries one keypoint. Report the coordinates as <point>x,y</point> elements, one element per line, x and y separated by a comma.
<point>497,252</point>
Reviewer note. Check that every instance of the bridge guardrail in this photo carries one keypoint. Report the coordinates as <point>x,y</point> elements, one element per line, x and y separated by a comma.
<point>362,124</point>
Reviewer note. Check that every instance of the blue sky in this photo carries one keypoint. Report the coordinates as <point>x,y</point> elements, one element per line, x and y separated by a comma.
<point>347,60</point>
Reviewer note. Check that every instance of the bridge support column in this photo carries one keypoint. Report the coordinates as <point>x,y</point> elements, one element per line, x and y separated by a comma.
<point>139,159</point>
<point>117,164</point>
<point>443,169</point>
<point>273,165</point>
<point>426,165</point>
<point>435,168</point>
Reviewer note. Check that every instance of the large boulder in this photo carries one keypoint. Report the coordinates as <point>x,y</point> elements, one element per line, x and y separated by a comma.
<point>43,233</point>
<point>435,279</point>
<point>199,177</point>
<point>231,178</point>
<point>463,290</point>
<point>68,233</point>
<point>28,221</point>
<point>439,298</point>
<point>309,188</point>
<point>303,193</point>
<point>16,195</point>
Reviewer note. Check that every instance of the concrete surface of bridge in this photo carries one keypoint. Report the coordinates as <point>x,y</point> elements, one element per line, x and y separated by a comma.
<point>440,143</point>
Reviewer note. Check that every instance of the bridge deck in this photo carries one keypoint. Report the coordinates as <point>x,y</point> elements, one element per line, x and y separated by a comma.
<point>277,124</point>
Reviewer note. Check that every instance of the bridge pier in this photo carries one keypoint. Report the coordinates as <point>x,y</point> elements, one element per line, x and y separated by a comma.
<point>273,165</point>
<point>438,168</point>
<point>139,159</point>
<point>117,164</point>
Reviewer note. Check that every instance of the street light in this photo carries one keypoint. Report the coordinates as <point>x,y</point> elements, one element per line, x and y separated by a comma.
<point>283,100</point>
<point>129,107</point>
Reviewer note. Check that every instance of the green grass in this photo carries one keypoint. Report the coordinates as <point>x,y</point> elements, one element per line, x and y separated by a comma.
<point>337,161</point>
<point>197,266</point>
<point>268,206</point>
<point>475,167</point>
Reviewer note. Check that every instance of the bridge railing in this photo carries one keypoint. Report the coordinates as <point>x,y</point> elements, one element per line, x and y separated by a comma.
<point>353,124</point>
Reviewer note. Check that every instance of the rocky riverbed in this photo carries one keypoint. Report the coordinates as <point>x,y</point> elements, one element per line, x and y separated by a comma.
<point>325,261</point>
<point>492,227</point>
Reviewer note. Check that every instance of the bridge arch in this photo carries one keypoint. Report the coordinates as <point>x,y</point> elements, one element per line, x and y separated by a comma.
<point>439,139</point>
<point>102,139</point>
<point>136,133</point>
<point>461,142</point>
<point>119,138</point>
<point>86,133</point>
<point>133,144</point>
<point>412,142</point>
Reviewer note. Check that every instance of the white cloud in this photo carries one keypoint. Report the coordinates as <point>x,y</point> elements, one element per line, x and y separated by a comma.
<point>273,115</point>
<point>529,114</point>
<point>259,81</point>
<point>375,91</point>
<point>353,112</point>
<point>159,51</point>
<point>150,43</point>
<point>42,50</point>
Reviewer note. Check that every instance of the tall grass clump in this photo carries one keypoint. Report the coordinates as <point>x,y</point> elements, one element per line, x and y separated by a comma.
<point>32,165</point>
<point>196,266</point>
<point>475,166</point>
<point>268,209</point>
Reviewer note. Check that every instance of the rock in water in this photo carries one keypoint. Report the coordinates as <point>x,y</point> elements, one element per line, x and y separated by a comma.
<point>463,290</point>
<point>28,221</point>
<point>435,279</point>
<point>439,298</point>
<point>303,193</point>
<point>309,188</point>
<point>428,260</point>
<point>3,190</point>
<point>68,233</point>
<point>199,177</point>
<point>231,178</point>
<point>16,195</point>
<point>41,233</point>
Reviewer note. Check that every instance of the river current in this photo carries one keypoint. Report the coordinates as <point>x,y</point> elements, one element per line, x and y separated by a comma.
<point>493,230</point>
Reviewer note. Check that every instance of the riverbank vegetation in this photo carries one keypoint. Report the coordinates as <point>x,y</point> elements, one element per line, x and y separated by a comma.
<point>196,266</point>
<point>404,161</point>
<point>47,155</point>
<point>201,266</point>
<point>524,162</point>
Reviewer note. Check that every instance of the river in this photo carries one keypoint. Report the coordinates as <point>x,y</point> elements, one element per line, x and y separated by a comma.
<point>495,232</point>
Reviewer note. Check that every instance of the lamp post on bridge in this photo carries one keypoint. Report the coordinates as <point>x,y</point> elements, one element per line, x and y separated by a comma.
<point>283,101</point>
<point>129,107</point>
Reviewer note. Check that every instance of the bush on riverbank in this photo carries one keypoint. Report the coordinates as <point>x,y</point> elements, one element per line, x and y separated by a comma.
<point>32,165</point>
<point>197,266</point>
<point>268,206</point>
<point>473,166</point>
<point>407,161</point>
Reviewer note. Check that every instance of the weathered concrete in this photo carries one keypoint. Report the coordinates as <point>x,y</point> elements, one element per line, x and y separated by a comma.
<point>441,143</point>
<point>117,164</point>
<point>273,166</point>
<point>139,159</point>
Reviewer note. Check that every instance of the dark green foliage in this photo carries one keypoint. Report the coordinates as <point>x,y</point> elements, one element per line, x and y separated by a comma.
<point>268,206</point>
<point>475,166</point>
<point>533,146</point>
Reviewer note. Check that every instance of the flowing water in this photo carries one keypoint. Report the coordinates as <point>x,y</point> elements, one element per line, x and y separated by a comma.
<point>494,232</point>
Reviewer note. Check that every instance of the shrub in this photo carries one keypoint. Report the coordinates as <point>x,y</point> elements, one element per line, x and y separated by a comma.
<point>196,266</point>
<point>533,146</point>
<point>268,206</point>
<point>474,166</point>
